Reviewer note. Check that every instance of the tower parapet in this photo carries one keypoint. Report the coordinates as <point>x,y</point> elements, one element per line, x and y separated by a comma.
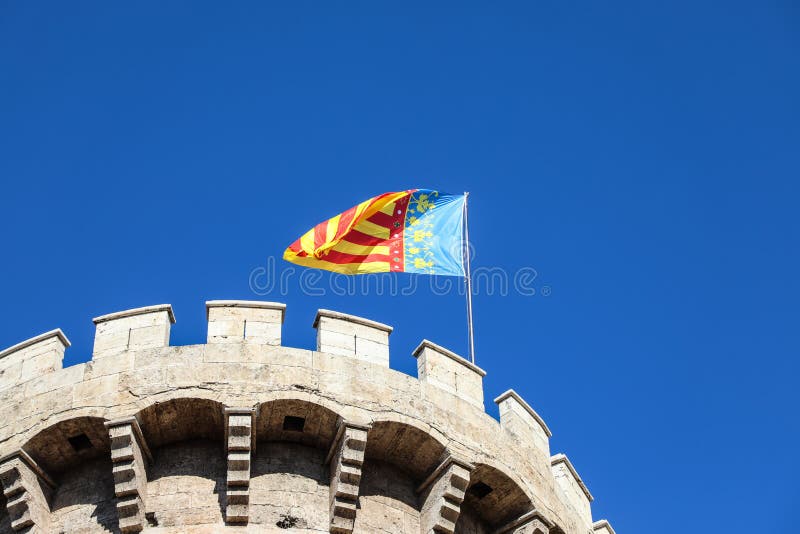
<point>243,430</point>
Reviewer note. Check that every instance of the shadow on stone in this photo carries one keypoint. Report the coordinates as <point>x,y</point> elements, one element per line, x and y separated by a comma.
<point>187,483</point>
<point>85,496</point>
<point>289,485</point>
<point>5,522</point>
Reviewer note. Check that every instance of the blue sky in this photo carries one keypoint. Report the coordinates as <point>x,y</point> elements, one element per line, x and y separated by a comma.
<point>642,157</point>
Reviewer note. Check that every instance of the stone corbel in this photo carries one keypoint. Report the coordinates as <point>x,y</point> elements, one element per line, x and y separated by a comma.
<point>441,495</point>
<point>27,489</point>
<point>240,443</point>
<point>346,457</point>
<point>129,456</point>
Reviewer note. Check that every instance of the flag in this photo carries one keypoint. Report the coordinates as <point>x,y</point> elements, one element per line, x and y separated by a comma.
<point>414,231</point>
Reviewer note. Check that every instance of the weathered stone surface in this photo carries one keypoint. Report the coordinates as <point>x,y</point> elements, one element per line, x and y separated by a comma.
<point>208,475</point>
<point>348,335</point>
<point>450,372</point>
<point>27,491</point>
<point>442,494</point>
<point>239,441</point>
<point>518,418</point>
<point>572,486</point>
<point>84,500</point>
<point>32,358</point>
<point>244,321</point>
<point>129,452</point>
<point>346,458</point>
<point>136,329</point>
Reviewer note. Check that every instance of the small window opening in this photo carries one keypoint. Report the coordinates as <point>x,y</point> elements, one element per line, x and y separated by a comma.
<point>293,423</point>
<point>81,442</point>
<point>480,490</point>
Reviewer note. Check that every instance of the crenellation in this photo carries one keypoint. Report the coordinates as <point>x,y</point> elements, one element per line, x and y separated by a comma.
<point>518,418</point>
<point>342,393</point>
<point>245,321</point>
<point>447,370</point>
<point>572,486</point>
<point>348,335</point>
<point>131,330</point>
<point>32,358</point>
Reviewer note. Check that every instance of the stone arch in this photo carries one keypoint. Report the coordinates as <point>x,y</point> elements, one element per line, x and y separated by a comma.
<point>297,420</point>
<point>411,447</point>
<point>181,419</point>
<point>289,476</point>
<point>493,498</point>
<point>400,455</point>
<point>65,444</point>
<point>76,453</point>
<point>185,436</point>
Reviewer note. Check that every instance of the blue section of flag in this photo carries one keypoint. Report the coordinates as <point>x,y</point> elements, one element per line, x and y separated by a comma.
<point>433,234</point>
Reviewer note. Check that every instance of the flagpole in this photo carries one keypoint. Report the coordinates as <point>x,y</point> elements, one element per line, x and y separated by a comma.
<point>468,279</point>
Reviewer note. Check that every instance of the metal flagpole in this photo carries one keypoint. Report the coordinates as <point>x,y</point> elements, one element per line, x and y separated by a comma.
<point>468,279</point>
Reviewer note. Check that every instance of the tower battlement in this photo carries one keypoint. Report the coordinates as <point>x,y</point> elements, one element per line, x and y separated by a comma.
<point>243,432</point>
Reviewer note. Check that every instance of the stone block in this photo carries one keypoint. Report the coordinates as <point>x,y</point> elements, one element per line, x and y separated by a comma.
<point>132,330</point>
<point>346,458</point>
<point>441,495</point>
<point>518,418</point>
<point>573,490</point>
<point>32,358</point>
<point>347,335</point>
<point>447,370</point>
<point>243,321</point>
<point>27,490</point>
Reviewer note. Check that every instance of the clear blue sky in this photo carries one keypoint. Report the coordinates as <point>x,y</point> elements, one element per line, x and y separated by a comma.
<point>641,156</point>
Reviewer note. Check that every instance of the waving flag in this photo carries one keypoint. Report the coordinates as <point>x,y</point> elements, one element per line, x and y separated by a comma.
<point>414,231</point>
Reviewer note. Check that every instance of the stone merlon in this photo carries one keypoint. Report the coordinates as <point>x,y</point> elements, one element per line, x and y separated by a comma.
<point>520,419</point>
<point>135,329</point>
<point>348,335</point>
<point>33,357</point>
<point>447,370</point>
<point>245,321</point>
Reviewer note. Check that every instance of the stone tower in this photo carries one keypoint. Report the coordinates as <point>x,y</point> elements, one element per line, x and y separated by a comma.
<point>243,434</point>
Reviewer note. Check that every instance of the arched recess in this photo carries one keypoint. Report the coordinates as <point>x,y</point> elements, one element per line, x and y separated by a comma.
<point>410,448</point>
<point>180,420</point>
<point>69,443</point>
<point>289,477</point>
<point>399,456</point>
<point>298,421</point>
<point>492,500</point>
<point>76,453</point>
<point>185,436</point>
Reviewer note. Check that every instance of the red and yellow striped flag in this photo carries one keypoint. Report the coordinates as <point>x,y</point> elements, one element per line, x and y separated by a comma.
<point>408,231</point>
